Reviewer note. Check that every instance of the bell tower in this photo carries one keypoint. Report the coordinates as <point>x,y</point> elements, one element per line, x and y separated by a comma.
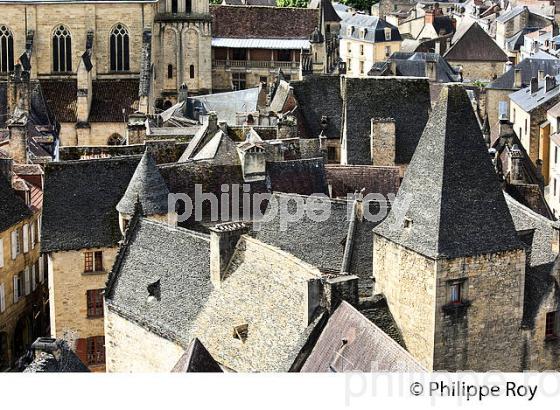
<point>183,47</point>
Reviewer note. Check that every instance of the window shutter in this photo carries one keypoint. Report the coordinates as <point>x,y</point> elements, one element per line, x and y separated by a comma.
<point>1,253</point>
<point>25,238</point>
<point>33,235</point>
<point>2,298</point>
<point>41,269</point>
<point>33,278</point>
<point>14,244</point>
<point>16,289</point>
<point>81,350</point>
<point>27,281</point>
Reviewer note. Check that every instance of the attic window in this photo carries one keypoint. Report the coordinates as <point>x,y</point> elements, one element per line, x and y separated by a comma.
<point>387,34</point>
<point>407,222</point>
<point>349,31</point>
<point>154,291</point>
<point>241,332</point>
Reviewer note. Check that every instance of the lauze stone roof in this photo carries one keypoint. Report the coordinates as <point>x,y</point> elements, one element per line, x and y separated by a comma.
<point>12,207</point>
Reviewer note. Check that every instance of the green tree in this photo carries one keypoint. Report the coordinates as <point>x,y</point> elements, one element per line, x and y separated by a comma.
<point>291,3</point>
<point>215,1</point>
<point>364,5</point>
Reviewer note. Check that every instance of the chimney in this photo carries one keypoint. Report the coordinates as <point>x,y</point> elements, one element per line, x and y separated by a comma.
<point>47,345</point>
<point>549,83</point>
<point>431,70</point>
<point>541,75</point>
<point>136,128</point>
<point>18,95</point>
<point>429,16</point>
<point>183,93</point>
<point>534,86</point>
<point>382,141</point>
<point>18,140</point>
<point>516,172</point>
<point>212,121</point>
<point>223,241</point>
<point>517,78</point>
<point>339,288</point>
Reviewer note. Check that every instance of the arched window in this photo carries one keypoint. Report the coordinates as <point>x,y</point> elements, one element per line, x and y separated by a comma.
<point>188,6</point>
<point>170,71</point>
<point>116,139</point>
<point>119,49</point>
<point>191,71</point>
<point>62,50</point>
<point>174,6</point>
<point>6,50</point>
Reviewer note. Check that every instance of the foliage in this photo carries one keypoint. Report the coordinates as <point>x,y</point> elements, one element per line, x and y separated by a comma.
<point>215,1</point>
<point>291,3</point>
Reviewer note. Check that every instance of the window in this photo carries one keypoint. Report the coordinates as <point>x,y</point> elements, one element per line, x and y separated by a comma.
<point>16,246</point>
<point>93,261</point>
<point>188,6</point>
<point>285,55</point>
<point>191,71</point>
<point>27,281</point>
<point>62,50</point>
<point>361,49</point>
<point>239,54</point>
<point>525,125</point>
<point>387,34</point>
<point>361,67</point>
<point>331,154</point>
<point>95,303</point>
<point>174,6</point>
<point>239,81</point>
<point>170,71</point>
<point>32,231</point>
<point>18,287</point>
<point>551,326</point>
<point>2,298</point>
<point>349,65</point>
<point>555,154</point>
<point>241,332</point>
<point>6,50</point>
<point>456,293</point>
<point>95,350</point>
<point>25,238</point>
<point>554,186</point>
<point>387,51</point>
<point>119,48</point>
<point>1,253</point>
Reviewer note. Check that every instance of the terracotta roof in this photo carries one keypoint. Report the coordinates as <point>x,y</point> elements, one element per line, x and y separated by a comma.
<point>263,22</point>
<point>111,97</point>
<point>60,96</point>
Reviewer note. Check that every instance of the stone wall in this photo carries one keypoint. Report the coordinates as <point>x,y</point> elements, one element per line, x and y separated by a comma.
<point>131,348</point>
<point>485,71</point>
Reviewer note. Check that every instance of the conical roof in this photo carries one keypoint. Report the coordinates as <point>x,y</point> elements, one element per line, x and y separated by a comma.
<point>146,186</point>
<point>450,203</point>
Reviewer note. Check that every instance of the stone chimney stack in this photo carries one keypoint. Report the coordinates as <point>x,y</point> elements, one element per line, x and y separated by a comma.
<point>339,288</point>
<point>431,70</point>
<point>183,93</point>
<point>517,78</point>
<point>18,139</point>
<point>47,345</point>
<point>549,83</point>
<point>223,241</point>
<point>516,172</point>
<point>18,91</point>
<point>534,86</point>
<point>541,75</point>
<point>382,139</point>
<point>136,128</point>
<point>212,121</point>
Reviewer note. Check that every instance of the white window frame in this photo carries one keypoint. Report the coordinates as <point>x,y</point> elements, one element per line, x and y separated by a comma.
<point>32,235</point>
<point>2,298</point>
<point>1,253</point>
<point>27,280</point>
<point>387,34</point>
<point>16,288</point>
<point>25,238</point>
<point>14,243</point>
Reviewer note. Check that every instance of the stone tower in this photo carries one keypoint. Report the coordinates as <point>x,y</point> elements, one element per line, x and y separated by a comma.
<point>183,47</point>
<point>448,257</point>
<point>148,189</point>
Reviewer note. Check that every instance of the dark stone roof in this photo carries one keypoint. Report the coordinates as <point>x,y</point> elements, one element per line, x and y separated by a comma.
<point>146,186</point>
<point>319,96</point>
<point>529,68</point>
<point>472,43</point>
<point>329,13</point>
<point>263,22</point>
<point>61,97</point>
<point>348,179</point>
<point>66,361</point>
<point>407,101</point>
<point>443,25</point>
<point>300,176</point>
<point>450,192</point>
<point>12,207</point>
<point>79,203</point>
<point>197,360</point>
<point>374,25</point>
<point>350,342</point>
<point>175,264</point>
<point>414,65</point>
<point>111,97</point>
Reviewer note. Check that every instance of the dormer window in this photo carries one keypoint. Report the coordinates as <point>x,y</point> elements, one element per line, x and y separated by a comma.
<point>387,34</point>
<point>363,32</point>
<point>154,291</point>
<point>407,223</point>
<point>349,31</point>
<point>241,332</point>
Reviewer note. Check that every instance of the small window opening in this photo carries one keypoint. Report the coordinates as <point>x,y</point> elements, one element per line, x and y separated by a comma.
<point>241,332</point>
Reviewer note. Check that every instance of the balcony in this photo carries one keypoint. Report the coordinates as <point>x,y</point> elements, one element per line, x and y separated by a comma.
<point>250,64</point>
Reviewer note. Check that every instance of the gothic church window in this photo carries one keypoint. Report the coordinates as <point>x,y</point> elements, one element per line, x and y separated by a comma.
<point>62,50</point>
<point>6,50</point>
<point>188,6</point>
<point>174,6</point>
<point>170,71</point>
<point>119,49</point>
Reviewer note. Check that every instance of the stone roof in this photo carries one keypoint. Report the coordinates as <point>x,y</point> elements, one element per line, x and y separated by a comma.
<point>196,360</point>
<point>79,202</point>
<point>172,266</point>
<point>414,64</point>
<point>450,194</point>
<point>529,68</point>
<point>266,291</point>
<point>406,100</point>
<point>472,43</point>
<point>146,186</point>
<point>329,13</point>
<point>318,97</point>
<point>111,97</point>
<point>528,101</point>
<point>65,361</point>
<point>374,29</point>
<point>350,342</point>
<point>263,22</point>
<point>300,176</point>
<point>348,179</point>
<point>61,97</point>
<point>12,207</point>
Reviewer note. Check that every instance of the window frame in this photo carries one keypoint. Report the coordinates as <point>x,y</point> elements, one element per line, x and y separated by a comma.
<point>119,45</point>
<point>94,303</point>
<point>93,261</point>
<point>552,319</point>
<point>61,57</point>
<point>7,61</point>
<point>95,350</point>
